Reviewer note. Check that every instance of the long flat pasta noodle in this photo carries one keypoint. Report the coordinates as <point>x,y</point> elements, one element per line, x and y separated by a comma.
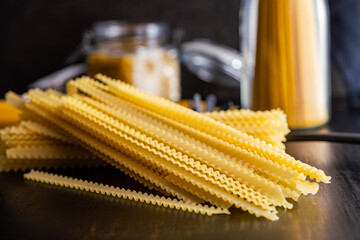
<point>31,142</point>
<point>18,137</point>
<point>11,137</point>
<point>121,193</point>
<point>44,130</point>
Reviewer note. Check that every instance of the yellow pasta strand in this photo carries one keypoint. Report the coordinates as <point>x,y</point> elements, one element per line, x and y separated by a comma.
<point>89,186</point>
<point>44,131</point>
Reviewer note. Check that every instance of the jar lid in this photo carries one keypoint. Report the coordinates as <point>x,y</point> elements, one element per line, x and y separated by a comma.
<point>114,29</point>
<point>151,33</point>
<point>212,62</point>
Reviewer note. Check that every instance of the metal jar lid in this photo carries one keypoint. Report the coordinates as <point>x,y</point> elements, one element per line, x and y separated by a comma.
<point>115,29</point>
<point>111,30</point>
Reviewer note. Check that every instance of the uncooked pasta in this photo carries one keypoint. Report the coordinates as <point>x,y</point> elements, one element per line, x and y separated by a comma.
<point>167,147</point>
<point>288,73</point>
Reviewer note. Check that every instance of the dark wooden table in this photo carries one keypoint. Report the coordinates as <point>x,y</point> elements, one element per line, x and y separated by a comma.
<point>30,210</point>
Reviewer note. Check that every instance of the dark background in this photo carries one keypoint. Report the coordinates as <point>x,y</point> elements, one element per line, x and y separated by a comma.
<point>37,36</point>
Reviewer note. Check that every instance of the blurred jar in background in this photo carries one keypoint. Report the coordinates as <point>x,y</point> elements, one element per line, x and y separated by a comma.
<point>285,45</point>
<point>137,53</point>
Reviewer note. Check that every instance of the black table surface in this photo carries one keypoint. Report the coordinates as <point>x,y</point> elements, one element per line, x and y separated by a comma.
<point>30,210</point>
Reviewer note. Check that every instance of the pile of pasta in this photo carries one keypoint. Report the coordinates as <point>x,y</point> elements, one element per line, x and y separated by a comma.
<point>184,154</point>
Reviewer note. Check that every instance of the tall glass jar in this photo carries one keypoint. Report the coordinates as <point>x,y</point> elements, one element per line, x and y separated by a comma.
<point>137,53</point>
<point>285,46</point>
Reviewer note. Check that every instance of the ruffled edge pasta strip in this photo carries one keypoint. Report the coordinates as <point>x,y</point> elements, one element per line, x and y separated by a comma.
<point>89,186</point>
<point>44,130</point>
<point>23,142</point>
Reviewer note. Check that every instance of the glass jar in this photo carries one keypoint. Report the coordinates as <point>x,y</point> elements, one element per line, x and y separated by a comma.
<point>137,53</point>
<point>285,46</point>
